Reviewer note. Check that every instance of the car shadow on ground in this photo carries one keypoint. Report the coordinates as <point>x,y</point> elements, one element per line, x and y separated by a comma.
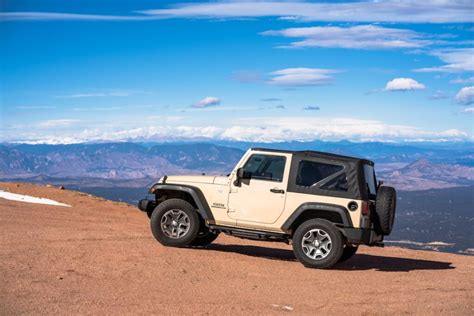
<point>356,263</point>
<point>391,264</point>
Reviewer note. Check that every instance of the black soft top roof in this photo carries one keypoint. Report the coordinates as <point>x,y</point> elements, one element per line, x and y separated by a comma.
<point>319,154</point>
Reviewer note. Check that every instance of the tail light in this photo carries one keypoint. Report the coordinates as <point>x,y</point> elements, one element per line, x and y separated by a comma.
<point>365,208</point>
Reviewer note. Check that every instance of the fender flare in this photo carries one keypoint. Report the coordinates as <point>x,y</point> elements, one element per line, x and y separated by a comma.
<point>323,207</point>
<point>197,195</point>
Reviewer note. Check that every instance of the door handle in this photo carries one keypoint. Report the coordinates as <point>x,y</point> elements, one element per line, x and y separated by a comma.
<point>277,191</point>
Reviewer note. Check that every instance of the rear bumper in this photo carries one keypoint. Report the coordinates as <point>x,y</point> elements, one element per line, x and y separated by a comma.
<point>362,236</point>
<point>146,205</point>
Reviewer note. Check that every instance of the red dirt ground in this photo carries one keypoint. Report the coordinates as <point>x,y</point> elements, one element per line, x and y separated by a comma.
<point>99,257</point>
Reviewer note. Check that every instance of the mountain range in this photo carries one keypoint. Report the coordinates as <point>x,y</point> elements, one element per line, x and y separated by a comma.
<point>406,166</point>
<point>423,174</point>
<point>113,160</point>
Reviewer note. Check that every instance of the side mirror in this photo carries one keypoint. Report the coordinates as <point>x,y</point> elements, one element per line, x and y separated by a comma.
<point>241,175</point>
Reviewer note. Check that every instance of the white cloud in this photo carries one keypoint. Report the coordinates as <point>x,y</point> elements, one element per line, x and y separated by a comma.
<point>258,129</point>
<point>164,118</point>
<point>112,93</point>
<point>57,123</point>
<point>465,96</point>
<point>456,59</point>
<point>463,81</point>
<point>311,108</point>
<point>35,107</point>
<point>438,95</point>
<point>207,102</point>
<point>310,128</point>
<point>468,110</point>
<point>59,16</point>
<point>403,84</point>
<point>358,37</point>
<point>114,108</point>
<point>298,77</point>
<point>409,11</point>
<point>81,95</point>
<point>271,99</point>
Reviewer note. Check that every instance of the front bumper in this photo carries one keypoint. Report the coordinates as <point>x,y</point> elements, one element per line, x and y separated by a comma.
<point>145,205</point>
<point>362,236</point>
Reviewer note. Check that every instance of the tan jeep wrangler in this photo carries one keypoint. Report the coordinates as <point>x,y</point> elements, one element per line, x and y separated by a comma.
<point>325,205</point>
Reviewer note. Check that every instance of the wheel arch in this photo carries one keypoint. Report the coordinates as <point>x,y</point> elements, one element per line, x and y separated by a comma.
<point>190,194</point>
<point>334,213</point>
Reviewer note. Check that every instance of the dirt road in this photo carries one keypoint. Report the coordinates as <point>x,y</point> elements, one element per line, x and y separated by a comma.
<point>99,257</point>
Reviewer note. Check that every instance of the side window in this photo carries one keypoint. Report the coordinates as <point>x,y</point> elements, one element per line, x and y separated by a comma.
<point>266,167</point>
<point>312,172</point>
<point>339,183</point>
<point>369,174</point>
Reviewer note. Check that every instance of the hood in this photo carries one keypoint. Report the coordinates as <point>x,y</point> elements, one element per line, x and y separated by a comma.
<point>190,179</point>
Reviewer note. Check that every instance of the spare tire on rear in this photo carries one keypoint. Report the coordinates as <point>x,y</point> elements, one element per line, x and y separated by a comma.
<point>385,205</point>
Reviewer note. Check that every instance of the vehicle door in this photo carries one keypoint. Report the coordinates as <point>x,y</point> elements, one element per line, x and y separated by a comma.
<point>261,198</point>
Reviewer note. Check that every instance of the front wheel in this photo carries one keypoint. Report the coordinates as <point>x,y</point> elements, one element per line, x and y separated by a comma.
<point>204,238</point>
<point>317,243</point>
<point>175,223</point>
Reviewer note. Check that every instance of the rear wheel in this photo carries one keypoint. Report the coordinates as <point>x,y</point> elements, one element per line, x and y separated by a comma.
<point>348,252</point>
<point>317,243</point>
<point>175,223</point>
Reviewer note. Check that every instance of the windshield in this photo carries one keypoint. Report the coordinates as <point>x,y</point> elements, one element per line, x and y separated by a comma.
<point>369,175</point>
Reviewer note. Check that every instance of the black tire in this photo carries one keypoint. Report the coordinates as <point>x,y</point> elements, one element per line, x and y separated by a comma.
<point>385,206</point>
<point>166,212</point>
<point>204,239</point>
<point>205,236</point>
<point>348,252</point>
<point>317,226</point>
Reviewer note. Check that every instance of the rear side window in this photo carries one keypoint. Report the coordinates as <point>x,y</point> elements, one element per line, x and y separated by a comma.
<point>266,167</point>
<point>369,175</point>
<point>339,183</point>
<point>311,172</point>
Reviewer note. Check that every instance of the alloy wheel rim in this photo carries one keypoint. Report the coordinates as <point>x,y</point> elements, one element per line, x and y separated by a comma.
<point>175,224</point>
<point>316,244</point>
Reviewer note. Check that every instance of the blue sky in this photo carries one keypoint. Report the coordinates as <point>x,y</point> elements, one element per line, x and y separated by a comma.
<point>260,71</point>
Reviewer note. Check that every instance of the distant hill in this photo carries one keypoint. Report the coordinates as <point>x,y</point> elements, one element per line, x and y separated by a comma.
<point>443,152</point>
<point>437,219</point>
<point>200,156</point>
<point>423,175</point>
<point>113,160</point>
<point>406,166</point>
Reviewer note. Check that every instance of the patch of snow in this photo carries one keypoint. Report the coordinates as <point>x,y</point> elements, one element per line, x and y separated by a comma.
<point>29,199</point>
<point>439,243</point>
<point>416,243</point>
<point>468,251</point>
<point>283,307</point>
